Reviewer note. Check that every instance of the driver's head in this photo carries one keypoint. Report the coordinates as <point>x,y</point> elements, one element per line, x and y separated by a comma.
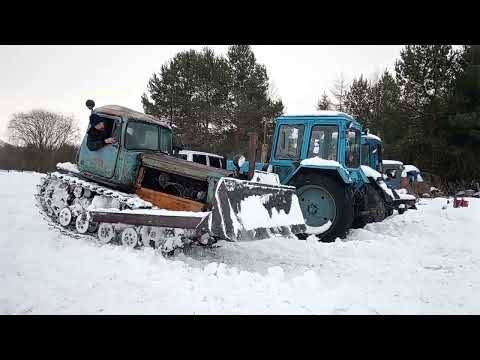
<point>100,126</point>
<point>97,122</point>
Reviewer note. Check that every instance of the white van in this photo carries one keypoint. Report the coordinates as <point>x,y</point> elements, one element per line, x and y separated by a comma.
<point>204,158</point>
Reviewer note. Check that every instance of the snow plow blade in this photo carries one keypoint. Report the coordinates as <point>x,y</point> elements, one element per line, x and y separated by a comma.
<point>241,211</point>
<point>247,210</point>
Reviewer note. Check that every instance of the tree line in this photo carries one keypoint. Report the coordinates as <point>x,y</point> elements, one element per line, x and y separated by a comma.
<point>427,112</point>
<point>214,101</point>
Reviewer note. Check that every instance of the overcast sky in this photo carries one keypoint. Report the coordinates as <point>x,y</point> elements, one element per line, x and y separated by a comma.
<point>62,78</point>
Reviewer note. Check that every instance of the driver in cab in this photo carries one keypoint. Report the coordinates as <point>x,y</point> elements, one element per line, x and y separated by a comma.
<point>97,135</point>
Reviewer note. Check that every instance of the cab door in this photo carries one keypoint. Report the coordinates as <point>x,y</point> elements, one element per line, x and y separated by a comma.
<point>287,152</point>
<point>101,162</point>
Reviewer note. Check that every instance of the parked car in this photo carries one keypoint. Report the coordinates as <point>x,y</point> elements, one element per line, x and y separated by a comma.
<point>204,158</point>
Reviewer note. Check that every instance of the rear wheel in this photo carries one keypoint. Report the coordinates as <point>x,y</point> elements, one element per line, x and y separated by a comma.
<point>376,206</point>
<point>322,200</point>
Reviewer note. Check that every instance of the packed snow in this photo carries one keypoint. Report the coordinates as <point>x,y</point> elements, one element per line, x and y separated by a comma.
<point>425,261</point>
<point>318,161</point>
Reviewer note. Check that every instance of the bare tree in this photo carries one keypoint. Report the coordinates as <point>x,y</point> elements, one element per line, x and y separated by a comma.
<point>339,91</point>
<point>42,130</point>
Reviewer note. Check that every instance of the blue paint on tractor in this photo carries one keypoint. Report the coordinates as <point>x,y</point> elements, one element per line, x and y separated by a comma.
<point>311,124</point>
<point>244,168</point>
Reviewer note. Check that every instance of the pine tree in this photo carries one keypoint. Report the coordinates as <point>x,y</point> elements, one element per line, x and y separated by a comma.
<point>462,129</point>
<point>209,99</point>
<point>425,74</point>
<point>324,102</point>
<point>385,115</point>
<point>252,107</point>
<point>192,91</point>
<point>357,102</point>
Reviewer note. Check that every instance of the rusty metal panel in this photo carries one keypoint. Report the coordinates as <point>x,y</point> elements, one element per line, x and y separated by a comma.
<point>183,222</point>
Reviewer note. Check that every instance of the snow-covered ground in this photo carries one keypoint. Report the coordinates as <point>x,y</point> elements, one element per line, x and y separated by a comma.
<point>422,262</point>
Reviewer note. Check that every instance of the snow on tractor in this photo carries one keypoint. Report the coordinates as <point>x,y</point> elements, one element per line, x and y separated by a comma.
<point>136,192</point>
<point>374,168</point>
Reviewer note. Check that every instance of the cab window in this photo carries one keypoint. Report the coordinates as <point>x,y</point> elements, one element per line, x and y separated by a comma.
<point>323,142</point>
<point>141,136</point>
<point>215,162</point>
<point>201,159</point>
<point>165,140</point>
<point>352,149</point>
<point>366,154</point>
<point>289,143</point>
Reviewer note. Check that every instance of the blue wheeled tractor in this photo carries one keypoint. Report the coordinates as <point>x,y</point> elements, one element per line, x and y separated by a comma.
<point>320,155</point>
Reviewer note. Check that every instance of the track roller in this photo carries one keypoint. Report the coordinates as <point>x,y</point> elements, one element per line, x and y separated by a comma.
<point>129,237</point>
<point>65,217</point>
<point>106,233</point>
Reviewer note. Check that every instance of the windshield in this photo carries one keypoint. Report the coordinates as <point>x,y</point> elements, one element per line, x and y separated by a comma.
<point>144,136</point>
<point>323,142</point>
<point>289,143</point>
<point>365,154</point>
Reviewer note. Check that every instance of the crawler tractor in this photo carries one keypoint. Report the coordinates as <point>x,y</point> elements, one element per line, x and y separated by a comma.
<point>138,193</point>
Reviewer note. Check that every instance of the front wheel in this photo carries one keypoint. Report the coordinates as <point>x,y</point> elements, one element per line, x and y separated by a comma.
<point>324,200</point>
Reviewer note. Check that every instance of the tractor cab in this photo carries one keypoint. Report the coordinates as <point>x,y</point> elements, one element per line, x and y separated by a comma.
<point>302,140</point>
<point>135,133</point>
<point>372,151</point>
